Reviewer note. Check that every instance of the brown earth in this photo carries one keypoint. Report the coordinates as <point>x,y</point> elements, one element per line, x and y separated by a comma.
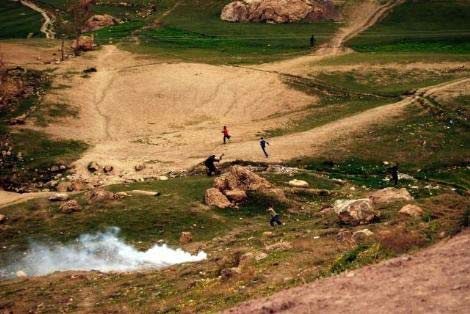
<point>436,280</point>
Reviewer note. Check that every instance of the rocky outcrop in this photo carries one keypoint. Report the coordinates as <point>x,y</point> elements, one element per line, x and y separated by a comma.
<point>279,11</point>
<point>355,212</point>
<point>232,186</point>
<point>99,21</point>
<point>412,210</point>
<point>390,195</point>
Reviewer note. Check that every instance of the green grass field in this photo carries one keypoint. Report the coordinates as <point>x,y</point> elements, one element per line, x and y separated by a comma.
<point>17,21</point>
<point>420,26</point>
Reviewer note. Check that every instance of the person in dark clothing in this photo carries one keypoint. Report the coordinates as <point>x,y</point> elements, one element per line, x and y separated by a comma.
<point>394,173</point>
<point>274,216</point>
<point>312,41</point>
<point>262,143</point>
<point>226,134</point>
<point>210,165</point>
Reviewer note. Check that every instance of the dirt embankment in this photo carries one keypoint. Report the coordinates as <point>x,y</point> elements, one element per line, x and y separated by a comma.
<point>436,280</point>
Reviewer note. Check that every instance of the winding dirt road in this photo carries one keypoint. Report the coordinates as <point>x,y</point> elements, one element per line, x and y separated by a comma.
<point>47,27</point>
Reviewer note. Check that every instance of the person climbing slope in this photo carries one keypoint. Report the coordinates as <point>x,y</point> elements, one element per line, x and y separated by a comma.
<point>226,134</point>
<point>263,143</point>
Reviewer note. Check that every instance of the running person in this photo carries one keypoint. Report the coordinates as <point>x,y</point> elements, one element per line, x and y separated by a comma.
<point>274,216</point>
<point>262,143</point>
<point>226,134</point>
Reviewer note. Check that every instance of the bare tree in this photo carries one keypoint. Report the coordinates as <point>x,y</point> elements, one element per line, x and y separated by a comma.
<point>79,11</point>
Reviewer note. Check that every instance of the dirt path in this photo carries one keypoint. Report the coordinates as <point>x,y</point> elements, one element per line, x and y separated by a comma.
<point>48,25</point>
<point>359,18</point>
<point>10,198</point>
<point>420,283</point>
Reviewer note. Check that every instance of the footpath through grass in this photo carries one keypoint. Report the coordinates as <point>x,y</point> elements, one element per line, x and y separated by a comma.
<point>18,21</point>
<point>428,26</point>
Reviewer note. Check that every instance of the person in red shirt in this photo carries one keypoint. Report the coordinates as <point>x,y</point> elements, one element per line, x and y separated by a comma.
<point>226,134</point>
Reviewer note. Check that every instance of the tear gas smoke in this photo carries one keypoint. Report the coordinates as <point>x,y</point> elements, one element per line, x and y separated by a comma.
<point>103,251</point>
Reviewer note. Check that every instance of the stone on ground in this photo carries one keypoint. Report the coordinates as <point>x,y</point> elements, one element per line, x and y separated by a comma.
<point>100,195</point>
<point>298,183</point>
<point>355,212</point>
<point>361,235</point>
<point>70,207</point>
<point>85,43</point>
<point>215,198</point>
<point>99,21</point>
<point>412,210</point>
<point>57,197</point>
<point>186,237</point>
<point>240,178</point>
<point>389,195</point>
<point>279,246</point>
<point>3,218</point>
<point>236,196</point>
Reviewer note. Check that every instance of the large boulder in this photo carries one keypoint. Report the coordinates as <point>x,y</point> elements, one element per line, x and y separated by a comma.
<point>279,11</point>
<point>215,198</point>
<point>240,178</point>
<point>237,11</point>
<point>412,210</point>
<point>99,21</point>
<point>85,43</point>
<point>390,195</point>
<point>355,212</point>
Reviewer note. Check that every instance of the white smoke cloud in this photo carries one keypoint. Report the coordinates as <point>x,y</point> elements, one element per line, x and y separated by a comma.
<point>104,252</point>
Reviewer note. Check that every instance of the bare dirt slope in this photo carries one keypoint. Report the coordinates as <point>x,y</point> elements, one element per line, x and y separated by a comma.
<point>421,283</point>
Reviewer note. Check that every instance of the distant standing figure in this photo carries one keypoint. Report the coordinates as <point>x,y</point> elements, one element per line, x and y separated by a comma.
<point>210,164</point>
<point>394,173</point>
<point>274,216</point>
<point>312,41</point>
<point>226,134</point>
<point>262,143</point>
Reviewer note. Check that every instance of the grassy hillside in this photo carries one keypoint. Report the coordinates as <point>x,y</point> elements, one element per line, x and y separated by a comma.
<point>17,21</point>
<point>429,26</point>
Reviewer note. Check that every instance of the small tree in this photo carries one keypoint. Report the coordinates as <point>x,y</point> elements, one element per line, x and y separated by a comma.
<point>79,11</point>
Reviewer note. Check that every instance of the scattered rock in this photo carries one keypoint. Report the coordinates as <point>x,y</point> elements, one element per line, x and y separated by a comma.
<point>268,234</point>
<point>99,21</point>
<point>215,198</point>
<point>298,183</point>
<point>361,235</point>
<point>18,120</point>
<point>162,178</point>
<point>77,186</point>
<point>108,169</point>
<point>236,196</point>
<point>279,246</point>
<point>228,273</point>
<point>70,207</point>
<point>21,274</point>
<point>139,167</point>
<point>260,256</point>
<point>122,194</point>
<point>186,237</point>
<point>246,259</point>
<point>3,218</point>
<point>279,11</point>
<point>344,235</point>
<point>148,193</point>
<point>412,210</point>
<point>355,212</point>
<point>326,210</point>
<point>389,195</point>
<point>59,197</point>
<point>100,195</point>
<point>93,166</point>
<point>64,187</point>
